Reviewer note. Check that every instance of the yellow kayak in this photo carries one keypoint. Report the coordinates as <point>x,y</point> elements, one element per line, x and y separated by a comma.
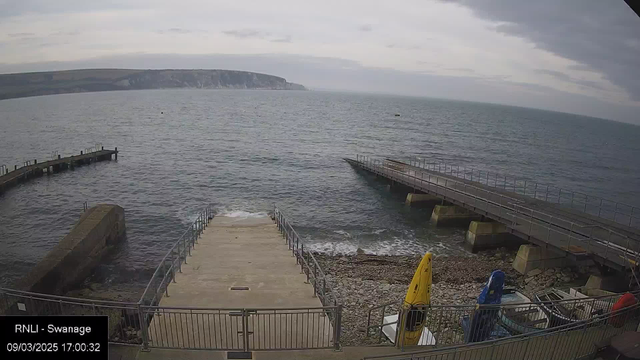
<point>417,299</point>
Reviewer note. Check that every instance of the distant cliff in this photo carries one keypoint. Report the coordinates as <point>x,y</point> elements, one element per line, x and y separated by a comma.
<point>74,81</point>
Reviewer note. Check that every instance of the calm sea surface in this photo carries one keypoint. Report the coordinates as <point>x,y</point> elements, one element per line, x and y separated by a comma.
<point>243,151</point>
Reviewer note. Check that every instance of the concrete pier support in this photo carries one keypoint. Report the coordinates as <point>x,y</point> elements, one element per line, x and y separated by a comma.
<point>486,235</point>
<point>608,283</point>
<point>532,257</point>
<point>422,199</point>
<point>444,215</point>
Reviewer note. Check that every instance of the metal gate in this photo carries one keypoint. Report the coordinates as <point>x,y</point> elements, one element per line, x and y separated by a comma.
<point>242,329</point>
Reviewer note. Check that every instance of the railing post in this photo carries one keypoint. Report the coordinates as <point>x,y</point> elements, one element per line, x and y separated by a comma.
<point>546,193</point>
<point>245,330</point>
<point>315,281</point>
<point>302,261</point>
<point>606,251</point>
<point>192,234</point>
<point>337,328</point>
<point>173,273</point>
<point>600,209</point>
<point>324,287</point>
<point>143,328</point>
<point>570,233</point>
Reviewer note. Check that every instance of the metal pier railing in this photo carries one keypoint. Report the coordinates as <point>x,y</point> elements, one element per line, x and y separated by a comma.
<point>616,211</point>
<point>577,340</point>
<point>150,325</point>
<point>577,234</point>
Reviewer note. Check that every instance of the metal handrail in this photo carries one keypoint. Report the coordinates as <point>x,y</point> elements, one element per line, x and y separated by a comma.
<point>40,296</point>
<point>630,312</point>
<point>176,255</point>
<point>27,163</point>
<point>485,177</point>
<point>133,323</point>
<point>315,275</point>
<point>236,309</point>
<point>566,302</point>
<point>310,267</point>
<point>438,314</point>
<point>505,202</point>
<point>313,270</point>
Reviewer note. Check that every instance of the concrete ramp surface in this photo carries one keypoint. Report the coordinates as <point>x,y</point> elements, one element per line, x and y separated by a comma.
<point>241,278</point>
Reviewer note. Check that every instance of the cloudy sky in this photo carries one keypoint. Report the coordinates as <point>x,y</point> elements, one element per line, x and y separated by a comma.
<point>580,56</point>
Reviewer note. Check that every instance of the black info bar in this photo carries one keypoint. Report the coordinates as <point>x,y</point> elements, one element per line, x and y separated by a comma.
<point>54,337</point>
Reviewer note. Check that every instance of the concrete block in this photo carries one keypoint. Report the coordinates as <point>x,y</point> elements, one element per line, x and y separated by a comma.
<point>452,216</point>
<point>422,199</point>
<point>607,283</point>
<point>532,257</point>
<point>485,235</point>
<point>69,263</point>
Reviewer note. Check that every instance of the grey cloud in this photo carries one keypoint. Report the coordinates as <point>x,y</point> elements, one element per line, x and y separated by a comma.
<point>180,31</point>
<point>405,47</point>
<point>20,35</point>
<point>430,63</point>
<point>257,34</point>
<point>285,39</point>
<point>245,33</point>
<point>66,33</point>
<point>365,28</point>
<point>465,70</point>
<point>535,88</point>
<point>598,34</point>
<point>580,67</point>
<point>566,78</point>
<point>49,44</point>
<point>496,77</point>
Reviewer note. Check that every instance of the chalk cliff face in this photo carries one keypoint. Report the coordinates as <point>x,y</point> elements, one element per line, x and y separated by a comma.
<point>60,82</point>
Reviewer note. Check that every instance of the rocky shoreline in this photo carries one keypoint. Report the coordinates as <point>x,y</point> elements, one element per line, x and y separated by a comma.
<point>363,281</point>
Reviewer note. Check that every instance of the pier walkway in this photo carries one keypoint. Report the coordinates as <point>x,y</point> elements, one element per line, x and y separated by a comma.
<point>241,263</point>
<point>30,169</point>
<point>242,289</point>
<point>576,224</point>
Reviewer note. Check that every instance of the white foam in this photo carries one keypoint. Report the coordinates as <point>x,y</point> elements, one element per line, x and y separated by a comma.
<point>393,246</point>
<point>343,233</point>
<point>335,248</point>
<point>243,214</point>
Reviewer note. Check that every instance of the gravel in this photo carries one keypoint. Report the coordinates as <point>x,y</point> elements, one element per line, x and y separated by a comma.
<point>363,281</point>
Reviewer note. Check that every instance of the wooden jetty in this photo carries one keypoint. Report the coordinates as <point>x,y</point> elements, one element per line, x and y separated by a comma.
<point>30,170</point>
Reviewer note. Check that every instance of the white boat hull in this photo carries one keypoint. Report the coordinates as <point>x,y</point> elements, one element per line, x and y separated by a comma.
<point>390,330</point>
